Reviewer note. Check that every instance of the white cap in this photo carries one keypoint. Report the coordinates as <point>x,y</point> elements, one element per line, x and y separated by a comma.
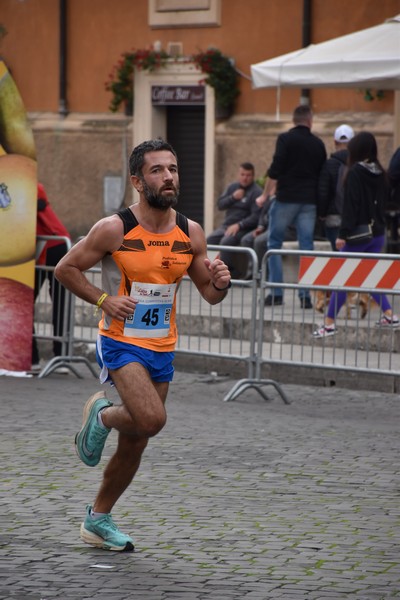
<point>344,133</point>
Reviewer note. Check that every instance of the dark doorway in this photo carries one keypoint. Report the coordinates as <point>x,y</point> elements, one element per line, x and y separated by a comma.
<point>185,132</point>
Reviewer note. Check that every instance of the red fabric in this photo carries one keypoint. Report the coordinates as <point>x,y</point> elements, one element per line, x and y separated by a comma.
<point>48,224</point>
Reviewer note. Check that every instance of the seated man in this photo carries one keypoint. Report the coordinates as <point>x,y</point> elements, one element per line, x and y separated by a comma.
<point>242,214</point>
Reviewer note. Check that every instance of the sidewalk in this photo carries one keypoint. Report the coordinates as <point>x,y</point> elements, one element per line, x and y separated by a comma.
<point>243,500</point>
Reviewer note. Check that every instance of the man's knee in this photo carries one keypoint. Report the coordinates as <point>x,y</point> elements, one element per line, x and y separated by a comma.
<point>150,424</point>
<point>232,240</point>
<point>247,241</point>
<point>213,240</point>
<point>215,237</point>
<point>153,425</point>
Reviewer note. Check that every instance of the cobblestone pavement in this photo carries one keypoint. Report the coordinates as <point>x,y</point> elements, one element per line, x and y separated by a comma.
<point>243,500</point>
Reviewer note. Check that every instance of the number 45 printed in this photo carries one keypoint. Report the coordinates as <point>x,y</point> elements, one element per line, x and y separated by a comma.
<point>152,314</point>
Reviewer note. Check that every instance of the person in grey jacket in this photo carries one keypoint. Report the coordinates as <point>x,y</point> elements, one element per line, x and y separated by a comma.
<point>241,216</point>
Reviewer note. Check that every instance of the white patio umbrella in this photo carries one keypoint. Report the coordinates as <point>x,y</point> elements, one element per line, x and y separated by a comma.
<point>368,58</point>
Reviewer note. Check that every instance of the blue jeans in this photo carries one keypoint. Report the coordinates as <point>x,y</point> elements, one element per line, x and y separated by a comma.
<point>281,215</point>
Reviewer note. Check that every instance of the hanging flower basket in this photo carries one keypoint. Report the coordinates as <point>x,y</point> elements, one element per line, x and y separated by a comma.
<point>219,70</point>
<point>120,81</point>
<point>222,76</point>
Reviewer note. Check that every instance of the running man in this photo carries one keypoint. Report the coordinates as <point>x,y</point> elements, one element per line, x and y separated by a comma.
<point>144,251</point>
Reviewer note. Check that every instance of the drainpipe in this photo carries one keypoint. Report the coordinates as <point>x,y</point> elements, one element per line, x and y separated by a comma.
<point>305,94</point>
<point>62,104</point>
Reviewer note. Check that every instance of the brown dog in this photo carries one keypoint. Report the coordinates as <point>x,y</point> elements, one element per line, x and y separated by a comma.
<point>360,299</point>
<point>354,299</point>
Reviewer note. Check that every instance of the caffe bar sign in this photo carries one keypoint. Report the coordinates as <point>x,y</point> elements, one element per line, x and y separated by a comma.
<point>172,95</point>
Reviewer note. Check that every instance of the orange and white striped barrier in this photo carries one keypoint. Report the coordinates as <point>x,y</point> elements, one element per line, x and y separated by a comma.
<point>364,273</point>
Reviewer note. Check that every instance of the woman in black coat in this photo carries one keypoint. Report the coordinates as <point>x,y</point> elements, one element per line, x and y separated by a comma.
<point>366,193</point>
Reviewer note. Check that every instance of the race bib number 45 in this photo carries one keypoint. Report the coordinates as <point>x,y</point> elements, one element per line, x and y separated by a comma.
<point>152,314</point>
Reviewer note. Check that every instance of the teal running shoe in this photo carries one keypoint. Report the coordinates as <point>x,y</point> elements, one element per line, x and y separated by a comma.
<point>90,440</point>
<point>103,533</point>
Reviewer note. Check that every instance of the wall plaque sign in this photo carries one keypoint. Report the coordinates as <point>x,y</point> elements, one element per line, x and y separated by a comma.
<point>169,95</point>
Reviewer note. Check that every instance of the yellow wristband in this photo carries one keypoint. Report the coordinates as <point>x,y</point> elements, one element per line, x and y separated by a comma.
<point>101,300</point>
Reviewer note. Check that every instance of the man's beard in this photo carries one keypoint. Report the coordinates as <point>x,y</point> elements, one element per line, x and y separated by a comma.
<point>157,199</point>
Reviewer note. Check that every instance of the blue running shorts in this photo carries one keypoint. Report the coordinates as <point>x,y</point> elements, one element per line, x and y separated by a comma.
<point>113,355</point>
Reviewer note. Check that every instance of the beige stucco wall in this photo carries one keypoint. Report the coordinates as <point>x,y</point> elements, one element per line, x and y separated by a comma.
<point>74,154</point>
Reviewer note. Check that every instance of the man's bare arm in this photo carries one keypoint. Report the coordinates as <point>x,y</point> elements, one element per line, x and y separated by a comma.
<point>207,275</point>
<point>105,237</point>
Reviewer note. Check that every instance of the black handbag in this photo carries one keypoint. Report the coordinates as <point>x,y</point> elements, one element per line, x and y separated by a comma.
<point>360,234</point>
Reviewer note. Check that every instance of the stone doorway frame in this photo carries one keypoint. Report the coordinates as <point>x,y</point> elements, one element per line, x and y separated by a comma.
<point>151,121</point>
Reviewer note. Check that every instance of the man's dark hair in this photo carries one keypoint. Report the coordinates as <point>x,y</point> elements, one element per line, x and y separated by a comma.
<point>302,114</point>
<point>247,166</point>
<point>136,159</point>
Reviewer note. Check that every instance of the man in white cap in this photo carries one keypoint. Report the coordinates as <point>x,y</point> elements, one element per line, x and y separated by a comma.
<point>330,185</point>
<point>330,194</point>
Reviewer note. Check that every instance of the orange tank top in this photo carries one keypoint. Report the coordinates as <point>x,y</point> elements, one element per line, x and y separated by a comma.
<point>149,267</point>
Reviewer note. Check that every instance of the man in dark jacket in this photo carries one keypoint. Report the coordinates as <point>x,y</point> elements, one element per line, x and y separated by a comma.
<point>242,215</point>
<point>293,176</point>
<point>330,184</point>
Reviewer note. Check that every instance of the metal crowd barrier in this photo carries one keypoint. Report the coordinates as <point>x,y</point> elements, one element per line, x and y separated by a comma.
<point>229,329</point>
<point>226,330</point>
<point>285,332</point>
<point>243,330</point>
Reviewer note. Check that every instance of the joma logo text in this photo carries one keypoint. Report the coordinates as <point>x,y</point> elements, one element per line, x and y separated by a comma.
<point>157,243</point>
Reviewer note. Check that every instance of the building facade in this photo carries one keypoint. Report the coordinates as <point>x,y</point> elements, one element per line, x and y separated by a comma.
<point>61,54</point>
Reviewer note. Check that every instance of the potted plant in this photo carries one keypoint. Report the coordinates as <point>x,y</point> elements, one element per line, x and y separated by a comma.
<point>222,76</point>
<point>120,82</point>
